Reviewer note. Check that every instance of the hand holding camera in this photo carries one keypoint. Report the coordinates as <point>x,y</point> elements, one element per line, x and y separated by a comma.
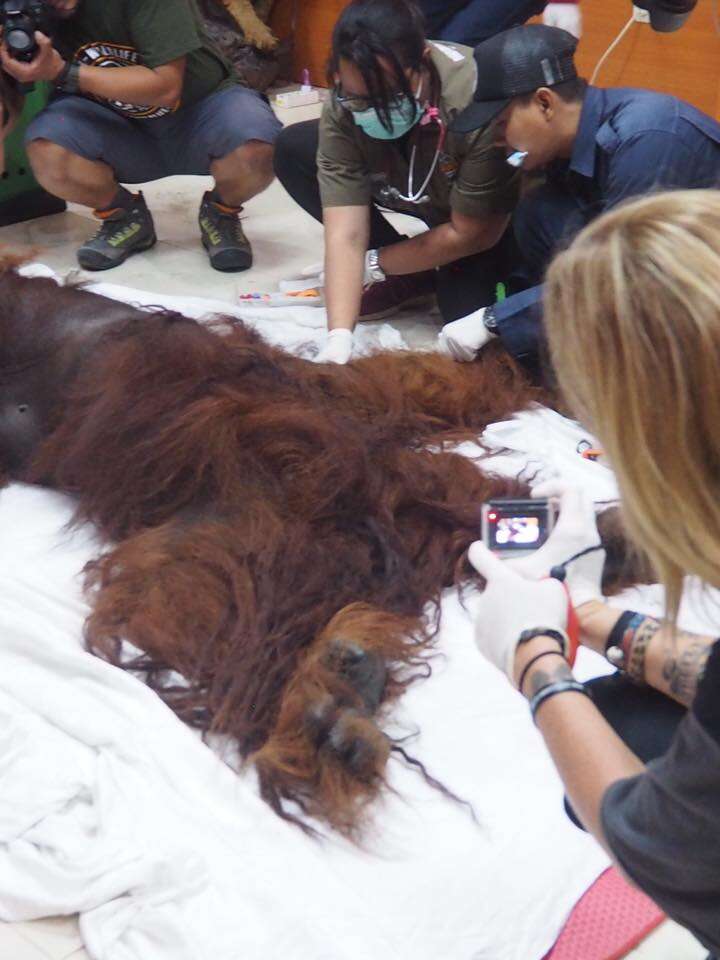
<point>511,604</point>
<point>27,53</point>
<point>526,533</point>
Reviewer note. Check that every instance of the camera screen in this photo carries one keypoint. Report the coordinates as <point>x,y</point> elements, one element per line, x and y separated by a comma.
<point>516,525</point>
<point>521,530</point>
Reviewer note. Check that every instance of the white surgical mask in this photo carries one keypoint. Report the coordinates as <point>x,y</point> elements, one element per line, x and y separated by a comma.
<point>404,114</point>
<point>517,159</point>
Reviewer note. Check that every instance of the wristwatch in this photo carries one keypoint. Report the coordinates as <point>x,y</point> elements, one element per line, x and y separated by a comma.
<point>372,265</point>
<point>68,80</point>
<point>490,320</point>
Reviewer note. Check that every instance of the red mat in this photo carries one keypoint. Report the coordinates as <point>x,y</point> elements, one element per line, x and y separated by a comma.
<point>608,922</point>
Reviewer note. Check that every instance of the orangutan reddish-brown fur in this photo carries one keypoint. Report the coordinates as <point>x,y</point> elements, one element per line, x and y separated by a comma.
<point>280,533</point>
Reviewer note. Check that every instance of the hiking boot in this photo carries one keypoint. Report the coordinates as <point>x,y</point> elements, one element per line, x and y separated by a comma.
<point>124,230</point>
<point>398,293</point>
<point>223,237</point>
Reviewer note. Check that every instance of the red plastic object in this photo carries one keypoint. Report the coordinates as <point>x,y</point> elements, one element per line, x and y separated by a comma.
<point>609,921</point>
<point>573,630</point>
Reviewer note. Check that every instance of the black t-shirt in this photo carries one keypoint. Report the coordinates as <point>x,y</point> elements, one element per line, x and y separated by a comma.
<point>664,825</point>
<point>121,33</point>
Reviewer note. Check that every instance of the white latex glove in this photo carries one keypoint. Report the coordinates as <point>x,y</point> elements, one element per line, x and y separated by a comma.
<point>575,530</point>
<point>510,604</point>
<point>312,277</point>
<point>567,16</point>
<point>338,347</point>
<point>463,338</point>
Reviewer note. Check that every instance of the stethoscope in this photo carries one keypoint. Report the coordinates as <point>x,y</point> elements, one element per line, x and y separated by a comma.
<point>430,115</point>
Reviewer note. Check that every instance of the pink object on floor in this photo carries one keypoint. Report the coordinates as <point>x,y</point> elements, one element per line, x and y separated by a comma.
<point>610,920</point>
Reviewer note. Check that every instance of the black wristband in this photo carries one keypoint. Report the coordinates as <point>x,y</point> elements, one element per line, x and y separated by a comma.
<point>614,646</point>
<point>559,636</point>
<point>551,690</point>
<point>68,80</point>
<point>539,656</point>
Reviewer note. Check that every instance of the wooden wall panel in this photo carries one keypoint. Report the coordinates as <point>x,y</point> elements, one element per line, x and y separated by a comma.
<point>314,22</point>
<point>685,63</point>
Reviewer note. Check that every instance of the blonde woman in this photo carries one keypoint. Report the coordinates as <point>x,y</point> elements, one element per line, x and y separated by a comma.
<point>633,320</point>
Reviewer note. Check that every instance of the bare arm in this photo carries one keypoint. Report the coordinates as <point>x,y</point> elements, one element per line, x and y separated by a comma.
<point>587,752</point>
<point>460,237</point>
<point>143,86</point>
<point>347,232</point>
<point>671,662</point>
<point>161,87</point>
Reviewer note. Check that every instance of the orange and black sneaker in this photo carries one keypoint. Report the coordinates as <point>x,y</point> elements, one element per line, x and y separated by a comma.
<point>123,231</point>
<point>223,237</point>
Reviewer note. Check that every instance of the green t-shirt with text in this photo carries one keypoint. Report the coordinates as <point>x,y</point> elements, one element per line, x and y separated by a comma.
<point>150,33</point>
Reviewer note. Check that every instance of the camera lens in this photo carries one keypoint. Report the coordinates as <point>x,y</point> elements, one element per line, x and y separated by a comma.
<point>19,40</point>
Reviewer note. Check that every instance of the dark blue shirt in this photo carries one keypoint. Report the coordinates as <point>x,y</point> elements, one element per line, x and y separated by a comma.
<point>629,143</point>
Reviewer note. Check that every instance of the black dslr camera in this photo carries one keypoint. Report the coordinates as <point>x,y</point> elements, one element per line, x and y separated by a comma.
<point>20,19</point>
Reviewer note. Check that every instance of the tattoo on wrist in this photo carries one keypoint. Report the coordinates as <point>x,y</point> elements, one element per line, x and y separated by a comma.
<point>545,675</point>
<point>638,644</point>
<point>682,671</point>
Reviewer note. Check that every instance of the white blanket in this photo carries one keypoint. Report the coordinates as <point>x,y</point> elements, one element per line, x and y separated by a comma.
<point>111,807</point>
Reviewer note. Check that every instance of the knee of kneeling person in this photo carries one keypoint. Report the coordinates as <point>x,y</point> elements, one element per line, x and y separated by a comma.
<point>259,156</point>
<point>49,161</point>
<point>295,146</point>
<point>252,162</point>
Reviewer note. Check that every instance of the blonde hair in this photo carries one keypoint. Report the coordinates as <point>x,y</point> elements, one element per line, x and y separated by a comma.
<point>632,311</point>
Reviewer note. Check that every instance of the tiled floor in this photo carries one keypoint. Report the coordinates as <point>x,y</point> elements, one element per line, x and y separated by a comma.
<point>284,241</point>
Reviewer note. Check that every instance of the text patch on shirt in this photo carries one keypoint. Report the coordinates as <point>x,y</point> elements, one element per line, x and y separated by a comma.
<point>118,55</point>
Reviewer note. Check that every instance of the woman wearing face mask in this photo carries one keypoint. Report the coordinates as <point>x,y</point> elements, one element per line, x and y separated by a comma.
<point>383,143</point>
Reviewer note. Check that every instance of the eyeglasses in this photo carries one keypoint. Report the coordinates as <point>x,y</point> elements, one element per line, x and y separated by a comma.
<point>356,104</point>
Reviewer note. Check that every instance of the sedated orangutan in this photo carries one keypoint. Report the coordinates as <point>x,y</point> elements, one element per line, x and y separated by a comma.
<point>278,531</point>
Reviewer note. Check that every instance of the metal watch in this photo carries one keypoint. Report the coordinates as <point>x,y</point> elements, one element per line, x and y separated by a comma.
<point>68,80</point>
<point>375,271</point>
<point>490,320</point>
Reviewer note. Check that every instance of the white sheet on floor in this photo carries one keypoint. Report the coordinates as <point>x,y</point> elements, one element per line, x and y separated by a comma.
<point>111,807</point>
<point>300,330</point>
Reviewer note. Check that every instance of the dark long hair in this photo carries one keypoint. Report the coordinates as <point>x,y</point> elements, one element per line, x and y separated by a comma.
<point>369,31</point>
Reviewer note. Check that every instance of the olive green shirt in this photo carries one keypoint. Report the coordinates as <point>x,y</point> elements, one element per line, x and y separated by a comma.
<point>472,176</point>
<point>150,33</point>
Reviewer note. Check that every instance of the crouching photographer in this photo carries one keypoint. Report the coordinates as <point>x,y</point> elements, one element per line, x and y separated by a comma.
<point>639,752</point>
<point>173,106</point>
